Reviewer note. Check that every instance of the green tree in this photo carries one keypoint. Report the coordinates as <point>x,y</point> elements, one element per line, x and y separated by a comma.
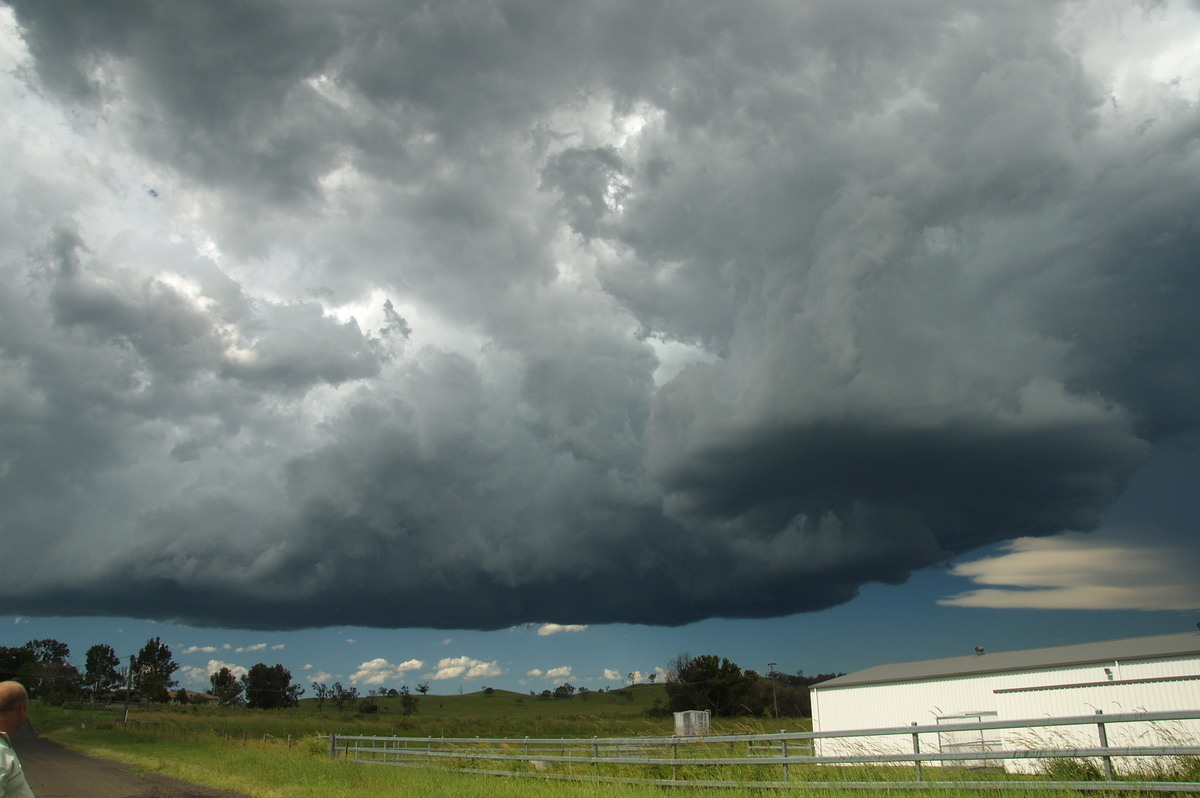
<point>712,683</point>
<point>409,703</point>
<point>47,674</point>
<point>226,687</point>
<point>13,661</point>
<point>340,696</point>
<point>270,687</point>
<point>322,692</point>
<point>154,671</point>
<point>100,668</point>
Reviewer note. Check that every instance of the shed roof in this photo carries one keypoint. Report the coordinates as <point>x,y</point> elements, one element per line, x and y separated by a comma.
<point>1132,648</point>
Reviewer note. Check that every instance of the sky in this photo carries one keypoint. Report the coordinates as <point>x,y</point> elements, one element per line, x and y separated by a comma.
<point>506,344</point>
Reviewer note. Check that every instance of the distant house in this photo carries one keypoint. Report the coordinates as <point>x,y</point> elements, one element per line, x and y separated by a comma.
<point>1138,674</point>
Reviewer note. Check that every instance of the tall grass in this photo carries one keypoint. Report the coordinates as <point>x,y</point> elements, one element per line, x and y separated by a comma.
<point>283,754</point>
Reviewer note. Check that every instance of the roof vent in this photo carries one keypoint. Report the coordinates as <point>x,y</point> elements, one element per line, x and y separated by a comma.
<point>979,651</point>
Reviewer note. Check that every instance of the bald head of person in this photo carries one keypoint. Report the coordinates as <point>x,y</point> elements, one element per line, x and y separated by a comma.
<point>14,705</point>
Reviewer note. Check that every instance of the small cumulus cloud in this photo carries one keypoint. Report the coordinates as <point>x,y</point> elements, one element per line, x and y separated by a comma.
<point>379,671</point>
<point>200,650</point>
<point>195,674</point>
<point>612,675</point>
<point>465,668</point>
<point>20,620</point>
<point>1076,572</point>
<point>320,676</point>
<point>255,647</point>
<point>547,629</point>
<point>562,672</point>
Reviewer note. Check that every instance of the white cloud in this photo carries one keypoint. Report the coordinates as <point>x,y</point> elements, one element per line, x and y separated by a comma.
<point>200,650</point>
<point>547,629</point>
<point>560,673</point>
<point>198,675</point>
<point>612,675</point>
<point>255,647</point>
<point>1078,572</point>
<point>279,647</point>
<point>465,668</point>
<point>536,673</point>
<point>379,671</point>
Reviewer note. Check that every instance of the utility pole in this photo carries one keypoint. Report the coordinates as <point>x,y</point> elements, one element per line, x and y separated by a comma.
<point>774,694</point>
<point>128,689</point>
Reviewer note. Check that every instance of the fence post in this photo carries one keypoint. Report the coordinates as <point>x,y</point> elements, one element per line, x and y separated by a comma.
<point>785,753</point>
<point>332,745</point>
<point>1108,771</point>
<point>916,740</point>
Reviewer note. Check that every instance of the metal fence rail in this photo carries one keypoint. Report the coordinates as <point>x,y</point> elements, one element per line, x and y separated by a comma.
<point>788,759</point>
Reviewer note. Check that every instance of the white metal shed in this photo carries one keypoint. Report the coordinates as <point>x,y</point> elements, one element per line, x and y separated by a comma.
<point>1114,676</point>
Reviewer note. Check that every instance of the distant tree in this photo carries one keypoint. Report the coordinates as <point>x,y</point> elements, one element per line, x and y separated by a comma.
<point>564,690</point>
<point>632,678</point>
<point>322,692</point>
<point>270,687</point>
<point>652,677</point>
<point>181,696</point>
<point>712,683</point>
<point>341,696</point>
<point>488,692</point>
<point>423,688</point>
<point>154,671</point>
<point>584,692</point>
<point>226,687</point>
<point>100,668</point>
<point>392,692</point>
<point>409,703</point>
<point>545,694</point>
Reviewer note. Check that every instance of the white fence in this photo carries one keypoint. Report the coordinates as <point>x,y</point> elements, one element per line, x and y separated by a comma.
<point>787,759</point>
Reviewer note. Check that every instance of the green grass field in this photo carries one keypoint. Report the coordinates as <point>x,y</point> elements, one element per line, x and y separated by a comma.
<point>282,753</point>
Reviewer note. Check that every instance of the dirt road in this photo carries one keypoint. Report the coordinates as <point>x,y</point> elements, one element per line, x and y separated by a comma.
<point>55,772</point>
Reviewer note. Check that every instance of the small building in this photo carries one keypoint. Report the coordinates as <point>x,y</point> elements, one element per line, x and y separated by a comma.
<point>1141,674</point>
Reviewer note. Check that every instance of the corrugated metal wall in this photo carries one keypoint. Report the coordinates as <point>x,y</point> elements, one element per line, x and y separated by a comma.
<point>1012,695</point>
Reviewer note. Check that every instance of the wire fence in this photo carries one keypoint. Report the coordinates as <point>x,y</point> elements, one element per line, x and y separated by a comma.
<point>801,759</point>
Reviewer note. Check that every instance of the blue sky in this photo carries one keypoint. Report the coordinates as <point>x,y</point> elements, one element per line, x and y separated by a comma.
<point>512,344</point>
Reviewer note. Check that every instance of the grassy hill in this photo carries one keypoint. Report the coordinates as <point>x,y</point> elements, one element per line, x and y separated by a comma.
<point>501,714</point>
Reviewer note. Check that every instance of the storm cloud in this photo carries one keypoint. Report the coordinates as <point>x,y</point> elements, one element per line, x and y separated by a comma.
<point>473,314</point>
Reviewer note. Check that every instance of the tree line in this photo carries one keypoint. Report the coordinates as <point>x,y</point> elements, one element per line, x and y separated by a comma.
<point>720,686</point>
<point>43,667</point>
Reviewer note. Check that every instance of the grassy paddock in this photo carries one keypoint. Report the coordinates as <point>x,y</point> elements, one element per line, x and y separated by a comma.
<point>249,751</point>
